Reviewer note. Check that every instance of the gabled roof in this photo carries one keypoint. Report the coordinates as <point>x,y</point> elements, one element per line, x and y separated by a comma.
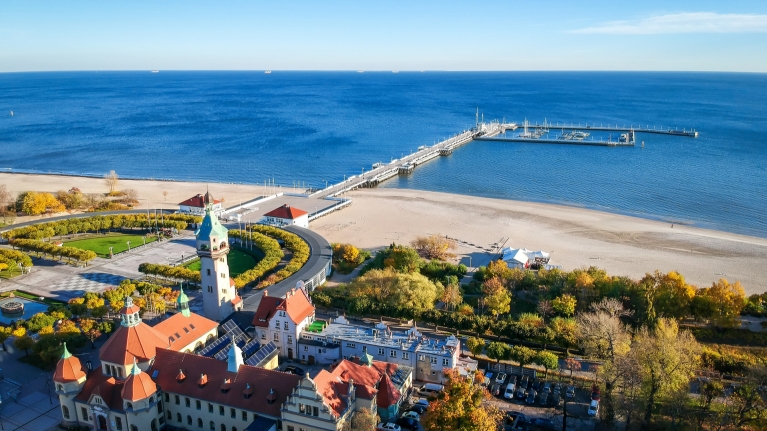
<point>331,389</point>
<point>261,381</point>
<point>140,341</point>
<point>388,395</point>
<point>182,331</point>
<point>107,387</point>
<point>197,201</point>
<point>296,304</point>
<point>287,212</point>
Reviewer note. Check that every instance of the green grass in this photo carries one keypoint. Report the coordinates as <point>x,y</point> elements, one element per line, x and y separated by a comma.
<point>239,261</point>
<point>25,295</point>
<point>100,243</point>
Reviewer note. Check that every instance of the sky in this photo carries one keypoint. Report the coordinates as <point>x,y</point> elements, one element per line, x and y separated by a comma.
<point>671,35</point>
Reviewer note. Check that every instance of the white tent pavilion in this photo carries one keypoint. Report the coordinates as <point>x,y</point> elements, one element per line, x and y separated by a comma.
<point>523,258</point>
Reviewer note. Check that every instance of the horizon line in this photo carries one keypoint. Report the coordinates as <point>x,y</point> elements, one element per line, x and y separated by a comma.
<point>394,71</point>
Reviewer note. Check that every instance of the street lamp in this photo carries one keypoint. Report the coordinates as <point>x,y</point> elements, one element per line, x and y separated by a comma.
<point>128,245</point>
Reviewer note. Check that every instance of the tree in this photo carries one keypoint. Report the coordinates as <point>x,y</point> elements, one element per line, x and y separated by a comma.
<point>34,203</point>
<point>497,297</point>
<point>670,294</point>
<point>434,247</point>
<point>572,364</point>
<point>351,253</point>
<point>462,406</point>
<point>452,296</point>
<point>721,303</point>
<point>565,331</point>
<point>5,332</point>
<point>668,358</point>
<point>523,355</point>
<point>475,345</point>
<point>601,332</point>
<point>38,321</point>
<point>25,342</point>
<point>545,309</point>
<point>130,197</point>
<point>362,420</point>
<point>111,180</point>
<point>547,360</point>
<point>564,305</point>
<point>498,351</point>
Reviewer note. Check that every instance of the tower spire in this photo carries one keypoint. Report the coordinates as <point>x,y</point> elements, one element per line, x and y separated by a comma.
<point>183,302</point>
<point>66,353</point>
<point>235,358</point>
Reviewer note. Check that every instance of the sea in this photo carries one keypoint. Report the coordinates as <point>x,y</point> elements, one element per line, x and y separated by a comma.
<point>306,129</point>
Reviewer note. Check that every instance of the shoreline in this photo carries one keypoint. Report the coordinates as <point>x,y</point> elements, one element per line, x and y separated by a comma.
<point>579,237</point>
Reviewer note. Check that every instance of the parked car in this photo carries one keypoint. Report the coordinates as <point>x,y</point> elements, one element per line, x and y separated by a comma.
<point>295,370</point>
<point>430,390</point>
<point>547,387</point>
<point>555,400</point>
<point>595,396</point>
<point>557,387</point>
<point>536,385</point>
<point>489,374</point>
<point>495,389</point>
<point>542,423</point>
<point>531,396</point>
<point>594,408</point>
<point>423,402</point>
<point>509,392</point>
<point>570,391</point>
<point>417,408</point>
<point>407,423</point>
<point>514,415</point>
<point>521,392</point>
<point>412,415</point>
<point>524,382</point>
<point>388,426</point>
<point>500,378</point>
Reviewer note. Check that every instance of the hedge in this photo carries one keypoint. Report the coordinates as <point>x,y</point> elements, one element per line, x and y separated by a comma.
<point>166,271</point>
<point>294,243</point>
<point>47,248</point>
<point>16,256</point>
<point>272,257</point>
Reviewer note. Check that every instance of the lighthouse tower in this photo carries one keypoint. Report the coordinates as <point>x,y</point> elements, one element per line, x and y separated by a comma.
<point>219,295</point>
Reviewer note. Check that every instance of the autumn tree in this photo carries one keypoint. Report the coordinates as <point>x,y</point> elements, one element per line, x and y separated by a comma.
<point>25,342</point>
<point>667,358</point>
<point>669,294</point>
<point>565,331</point>
<point>362,420</point>
<point>475,345</point>
<point>130,197</point>
<point>34,203</point>
<point>111,180</point>
<point>434,247</point>
<point>498,351</point>
<point>350,253</point>
<point>545,308</point>
<point>564,304</point>
<point>721,303</point>
<point>462,406</point>
<point>411,293</point>
<point>523,355</point>
<point>91,330</point>
<point>5,332</point>
<point>497,297</point>
<point>572,365</point>
<point>547,360</point>
<point>452,296</point>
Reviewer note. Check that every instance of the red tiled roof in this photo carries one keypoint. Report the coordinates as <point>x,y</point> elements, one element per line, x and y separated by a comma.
<point>189,328</point>
<point>296,304</point>
<point>236,300</point>
<point>197,201</point>
<point>261,381</point>
<point>68,370</point>
<point>140,341</point>
<point>287,212</point>
<point>388,395</point>
<point>330,388</point>
<point>107,387</point>
<point>138,387</point>
<point>362,374</point>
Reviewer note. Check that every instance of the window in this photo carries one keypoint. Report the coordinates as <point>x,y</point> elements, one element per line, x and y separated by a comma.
<point>177,399</point>
<point>301,408</point>
<point>170,415</point>
<point>223,427</point>
<point>290,339</point>
<point>393,353</point>
<point>380,351</point>
<point>221,410</point>
<point>285,325</point>
<point>208,271</point>
<point>315,411</point>
<point>199,422</point>
<point>352,345</point>
<point>133,428</point>
<point>65,411</point>
<point>159,407</point>
<point>178,417</point>
<point>223,275</point>
<point>130,406</point>
<point>244,415</point>
<point>365,349</point>
<point>277,324</point>
<point>118,422</point>
<point>233,413</point>
<point>210,288</point>
<point>187,401</point>
<point>420,357</point>
<point>276,337</point>
<point>210,408</point>
<point>84,411</point>
<point>167,398</point>
<point>445,361</point>
<point>405,355</point>
<point>306,348</point>
<point>188,420</point>
<point>120,373</point>
<point>212,426</point>
<point>290,428</point>
<point>433,359</point>
<point>198,404</point>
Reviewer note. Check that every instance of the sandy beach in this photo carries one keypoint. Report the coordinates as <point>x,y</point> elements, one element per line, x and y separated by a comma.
<point>576,237</point>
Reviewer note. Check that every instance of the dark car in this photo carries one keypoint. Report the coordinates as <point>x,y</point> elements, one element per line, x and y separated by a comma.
<point>418,409</point>
<point>555,400</point>
<point>595,396</point>
<point>544,397</point>
<point>514,415</point>
<point>407,423</point>
<point>536,385</point>
<point>495,389</point>
<point>531,396</point>
<point>542,423</point>
<point>295,370</point>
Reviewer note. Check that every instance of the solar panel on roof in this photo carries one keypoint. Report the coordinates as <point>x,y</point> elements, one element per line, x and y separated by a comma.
<point>224,353</point>
<point>234,331</point>
<point>251,347</point>
<point>261,354</point>
<point>216,346</point>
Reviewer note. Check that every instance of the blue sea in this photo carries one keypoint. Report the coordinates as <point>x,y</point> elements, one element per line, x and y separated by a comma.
<point>313,127</point>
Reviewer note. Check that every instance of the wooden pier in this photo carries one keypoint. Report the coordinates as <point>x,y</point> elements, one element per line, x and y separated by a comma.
<point>615,128</point>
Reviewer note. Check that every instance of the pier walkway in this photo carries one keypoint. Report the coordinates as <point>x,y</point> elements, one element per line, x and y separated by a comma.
<point>615,128</point>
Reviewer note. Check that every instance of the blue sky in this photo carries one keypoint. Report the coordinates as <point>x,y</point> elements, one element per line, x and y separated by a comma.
<point>384,35</point>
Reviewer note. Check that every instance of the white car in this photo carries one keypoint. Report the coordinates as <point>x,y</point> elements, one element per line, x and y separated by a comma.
<point>388,426</point>
<point>509,393</point>
<point>594,408</point>
<point>412,415</point>
<point>500,378</point>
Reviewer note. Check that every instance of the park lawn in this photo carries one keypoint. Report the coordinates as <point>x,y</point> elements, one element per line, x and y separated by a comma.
<point>100,243</point>
<point>239,261</point>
